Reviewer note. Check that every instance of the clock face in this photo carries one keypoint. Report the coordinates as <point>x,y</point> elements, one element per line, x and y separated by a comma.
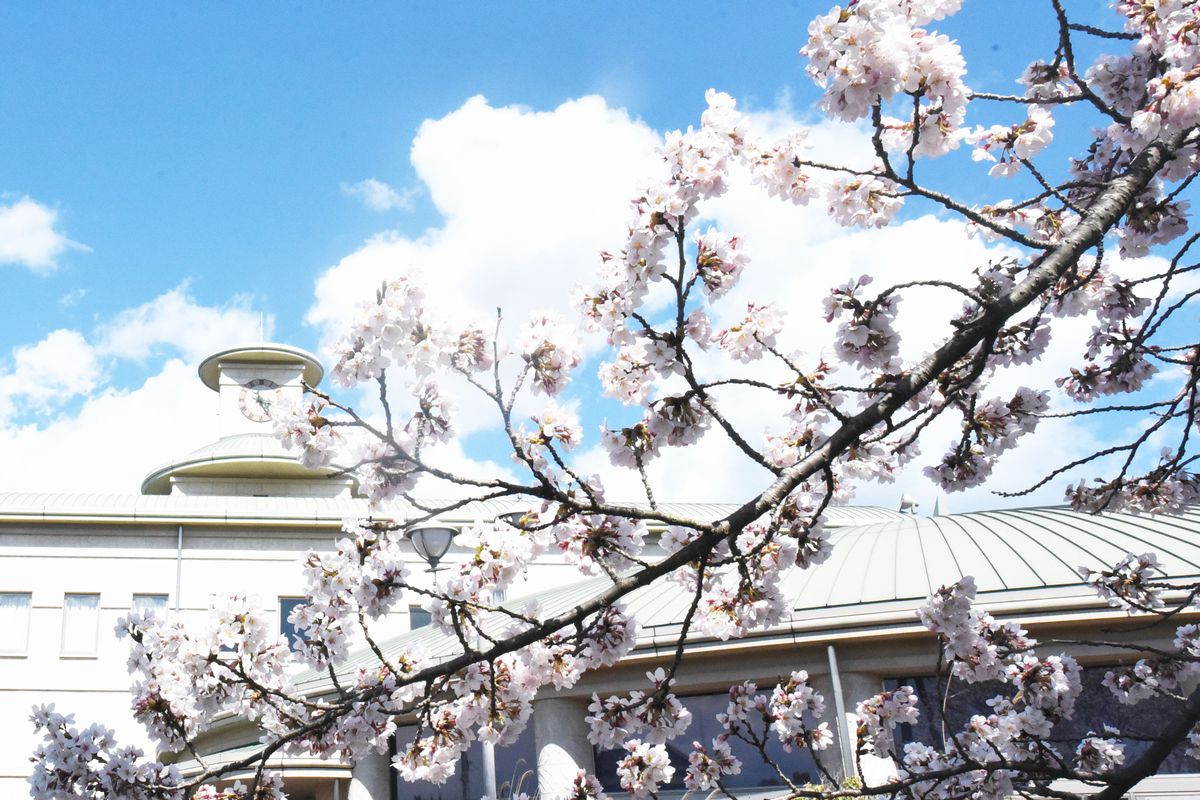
<point>256,398</point>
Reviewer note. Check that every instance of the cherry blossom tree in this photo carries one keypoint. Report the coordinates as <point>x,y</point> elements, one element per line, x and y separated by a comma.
<point>1127,121</point>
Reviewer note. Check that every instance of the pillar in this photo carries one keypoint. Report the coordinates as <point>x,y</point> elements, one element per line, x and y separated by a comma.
<point>856,687</point>
<point>560,733</point>
<point>371,778</point>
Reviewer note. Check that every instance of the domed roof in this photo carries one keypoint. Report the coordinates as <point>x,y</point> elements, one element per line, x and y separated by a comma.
<point>1023,562</point>
<point>1007,550</point>
<point>245,455</point>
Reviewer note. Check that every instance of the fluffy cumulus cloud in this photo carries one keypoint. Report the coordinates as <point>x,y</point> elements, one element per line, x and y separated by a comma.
<point>529,197</point>
<point>66,426</point>
<point>114,438</point>
<point>174,320</point>
<point>378,196</point>
<point>50,372</point>
<point>30,235</point>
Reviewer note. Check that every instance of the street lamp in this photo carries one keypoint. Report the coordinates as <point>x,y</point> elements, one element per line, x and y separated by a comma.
<point>431,542</point>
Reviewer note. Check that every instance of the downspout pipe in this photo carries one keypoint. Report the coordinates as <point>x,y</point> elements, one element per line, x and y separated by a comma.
<point>178,571</point>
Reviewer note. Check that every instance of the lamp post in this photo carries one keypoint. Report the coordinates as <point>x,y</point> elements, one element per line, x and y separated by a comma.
<point>432,542</point>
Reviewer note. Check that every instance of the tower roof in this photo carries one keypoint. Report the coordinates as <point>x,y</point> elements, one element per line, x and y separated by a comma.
<point>263,353</point>
<point>245,456</point>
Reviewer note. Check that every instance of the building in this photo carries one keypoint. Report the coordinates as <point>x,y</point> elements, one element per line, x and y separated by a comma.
<point>238,515</point>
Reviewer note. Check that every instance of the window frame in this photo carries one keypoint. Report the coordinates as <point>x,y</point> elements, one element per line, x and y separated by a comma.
<point>23,652</point>
<point>63,652</point>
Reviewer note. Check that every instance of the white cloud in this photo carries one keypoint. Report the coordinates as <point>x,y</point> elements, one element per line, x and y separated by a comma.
<point>51,372</point>
<point>29,236</point>
<point>528,199</point>
<point>72,298</point>
<point>113,436</point>
<point>378,196</point>
<point>115,439</point>
<point>175,319</point>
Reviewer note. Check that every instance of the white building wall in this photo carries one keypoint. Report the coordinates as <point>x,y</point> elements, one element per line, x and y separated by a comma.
<point>119,561</point>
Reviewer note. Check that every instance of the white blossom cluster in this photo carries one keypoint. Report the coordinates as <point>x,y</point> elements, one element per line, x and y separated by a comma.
<point>656,714</point>
<point>1009,146</point>
<point>992,428</point>
<point>788,715</point>
<point>874,50</point>
<point>593,542</point>
<point>304,428</point>
<point>367,573</point>
<point>644,768</point>
<point>865,336</point>
<point>878,717</point>
<point>975,645</point>
<point>1135,582</point>
<point>86,762</point>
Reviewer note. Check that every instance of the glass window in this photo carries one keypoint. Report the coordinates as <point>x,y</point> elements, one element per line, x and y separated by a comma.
<point>418,618</point>
<point>1095,706</point>
<point>293,634</point>
<point>81,618</point>
<point>756,772</point>
<point>14,623</point>
<point>155,604</point>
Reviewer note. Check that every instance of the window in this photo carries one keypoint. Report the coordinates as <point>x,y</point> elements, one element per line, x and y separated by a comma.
<point>756,773</point>
<point>81,617</point>
<point>418,618</point>
<point>293,634</point>
<point>156,604</point>
<point>14,623</point>
<point>1094,706</point>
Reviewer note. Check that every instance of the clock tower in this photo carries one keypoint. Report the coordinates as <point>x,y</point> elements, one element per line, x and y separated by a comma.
<point>247,458</point>
<point>249,380</point>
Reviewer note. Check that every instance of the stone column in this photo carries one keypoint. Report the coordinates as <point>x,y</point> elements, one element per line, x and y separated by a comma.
<point>561,735</point>
<point>371,778</point>
<point>856,687</point>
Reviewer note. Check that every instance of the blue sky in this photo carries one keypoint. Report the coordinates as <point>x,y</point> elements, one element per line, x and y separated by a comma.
<point>211,143</point>
<point>196,159</point>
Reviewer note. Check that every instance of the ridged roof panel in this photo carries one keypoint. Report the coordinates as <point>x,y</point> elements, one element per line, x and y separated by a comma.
<point>1012,549</point>
<point>895,565</point>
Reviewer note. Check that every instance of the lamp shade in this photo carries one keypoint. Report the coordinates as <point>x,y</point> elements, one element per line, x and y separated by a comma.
<point>431,542</point>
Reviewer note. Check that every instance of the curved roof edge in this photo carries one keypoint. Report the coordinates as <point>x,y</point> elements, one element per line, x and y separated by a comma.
<point>245,455</point>
<point>262,353</point>
<point>245,467</point>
